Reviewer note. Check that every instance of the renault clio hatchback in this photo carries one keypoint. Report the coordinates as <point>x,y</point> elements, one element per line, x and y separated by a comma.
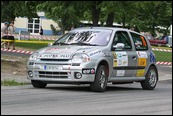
<point>95,56</point>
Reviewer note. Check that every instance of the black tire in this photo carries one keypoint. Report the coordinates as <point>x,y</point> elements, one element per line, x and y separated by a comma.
<point>151,79</point>
<point>38,84</point>
<point>100,82</point>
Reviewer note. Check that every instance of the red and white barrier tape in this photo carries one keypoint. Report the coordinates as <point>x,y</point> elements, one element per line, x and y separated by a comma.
<point>164,63</point>
<point>42,37</point>
<point>163,50</point>
<point>17,51</point>
<point>30,52</point>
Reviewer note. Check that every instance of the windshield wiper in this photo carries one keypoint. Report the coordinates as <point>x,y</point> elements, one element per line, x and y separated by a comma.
<point>81,43</point>
<point>61,43</point>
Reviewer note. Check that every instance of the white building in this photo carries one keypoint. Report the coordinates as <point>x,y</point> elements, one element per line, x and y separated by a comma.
<point>33,25</point>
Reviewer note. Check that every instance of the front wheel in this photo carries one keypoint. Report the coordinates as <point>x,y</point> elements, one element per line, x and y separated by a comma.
<point>38,84</point>
<point>100,82</point>
<point>151,79</point>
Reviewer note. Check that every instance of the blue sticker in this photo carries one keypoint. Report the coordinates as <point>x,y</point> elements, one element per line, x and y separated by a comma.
<point>44,67</point>
<point>152,57</point>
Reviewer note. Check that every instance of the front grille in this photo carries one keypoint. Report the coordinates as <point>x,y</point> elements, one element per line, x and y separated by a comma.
<point>75,64</point>
<point>44,74</point>
<point>59,60</point>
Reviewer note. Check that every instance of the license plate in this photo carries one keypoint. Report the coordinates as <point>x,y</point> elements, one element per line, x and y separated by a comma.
<point>52,67</point>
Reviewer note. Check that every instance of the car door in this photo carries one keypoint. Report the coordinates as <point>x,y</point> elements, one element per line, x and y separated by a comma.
<point>143,54</point>
<point>124,55</point>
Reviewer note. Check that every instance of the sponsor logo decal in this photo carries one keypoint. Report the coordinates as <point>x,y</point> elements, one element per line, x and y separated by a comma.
<point>120,59</point>
<point>44,67</point>
<point>120,72</point>
<point>142,62</point>
<point>51,49</point>
<point>152,57</point>
<point>140,72</point>
<point>54,56</point>
<point>142,54</point>
<point>95,52</point>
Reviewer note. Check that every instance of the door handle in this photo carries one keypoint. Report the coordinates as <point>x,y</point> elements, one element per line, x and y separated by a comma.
<point>134,57</point>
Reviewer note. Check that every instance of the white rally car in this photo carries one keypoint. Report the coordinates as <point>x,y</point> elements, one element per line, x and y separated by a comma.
<point>95,56</point>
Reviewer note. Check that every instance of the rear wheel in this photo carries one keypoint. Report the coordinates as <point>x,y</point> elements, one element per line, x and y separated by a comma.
<point>151,79</point>
<point>100,83</point>
<point>38,84</point>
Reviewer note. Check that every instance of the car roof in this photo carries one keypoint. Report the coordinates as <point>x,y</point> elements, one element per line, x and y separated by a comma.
<point>106,28</point>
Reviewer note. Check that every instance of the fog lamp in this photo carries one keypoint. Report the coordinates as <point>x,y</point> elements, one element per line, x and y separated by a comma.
<point>78,75</point>
<point>30,73</point>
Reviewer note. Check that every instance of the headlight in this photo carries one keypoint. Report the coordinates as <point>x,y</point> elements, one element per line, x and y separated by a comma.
<point>33,57</point>
<point>79,58</point>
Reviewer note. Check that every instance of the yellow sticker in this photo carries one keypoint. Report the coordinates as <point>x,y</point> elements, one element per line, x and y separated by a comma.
<point>115,59</point>
<point>142,62</point>
<point>140,72</point>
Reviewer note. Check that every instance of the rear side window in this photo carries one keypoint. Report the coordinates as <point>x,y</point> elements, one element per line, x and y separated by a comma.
<point>139,41</point>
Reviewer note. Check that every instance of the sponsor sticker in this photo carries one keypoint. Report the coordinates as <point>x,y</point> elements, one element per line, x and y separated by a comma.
<point>152,57</point>
<point>88,71</point>
<point>114,59</point>
<point>142,54</point>
<point>120,72</point>
<point>142,62</point>
<point>122,59</point>
<point>52,49</point>
<point>95,52</point>
<point>140,72</point>
<point>67,50</point>
<point>54,56</point>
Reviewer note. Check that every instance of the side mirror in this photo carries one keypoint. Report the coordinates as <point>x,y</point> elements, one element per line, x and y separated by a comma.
<point>119,46</point>
<point>50,44</point>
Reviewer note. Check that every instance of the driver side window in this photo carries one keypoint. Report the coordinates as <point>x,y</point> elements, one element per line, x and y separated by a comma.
<point>121,41</point>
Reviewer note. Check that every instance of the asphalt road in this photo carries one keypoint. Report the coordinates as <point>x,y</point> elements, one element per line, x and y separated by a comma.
<point>127,99</point>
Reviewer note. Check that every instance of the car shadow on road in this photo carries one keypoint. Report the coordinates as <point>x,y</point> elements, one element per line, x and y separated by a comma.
<point>86,88</point>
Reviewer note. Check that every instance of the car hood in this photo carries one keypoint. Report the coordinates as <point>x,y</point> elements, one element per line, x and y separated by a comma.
<point>65,52</point>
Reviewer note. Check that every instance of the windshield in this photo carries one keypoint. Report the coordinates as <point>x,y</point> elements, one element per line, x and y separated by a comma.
<point>85,37</point>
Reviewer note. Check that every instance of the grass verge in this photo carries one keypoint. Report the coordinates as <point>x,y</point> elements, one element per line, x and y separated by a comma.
<point>11,83</point>
<point>163,56</point>
<point>162,47</point>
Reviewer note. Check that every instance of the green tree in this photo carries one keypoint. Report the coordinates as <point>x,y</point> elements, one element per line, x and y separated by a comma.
<point>65,13</point>
<point>150,14</point>
<point>12,9</point>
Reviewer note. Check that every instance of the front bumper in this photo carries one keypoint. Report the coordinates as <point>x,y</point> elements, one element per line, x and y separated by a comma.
<point>62,73</point>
